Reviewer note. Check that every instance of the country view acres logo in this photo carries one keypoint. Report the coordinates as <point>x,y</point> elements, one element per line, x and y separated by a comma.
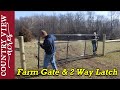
<point>6,46</point>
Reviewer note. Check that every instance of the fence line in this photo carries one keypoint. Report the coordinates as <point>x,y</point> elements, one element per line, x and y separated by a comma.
<point>68,41</point>
<point>22,51</point>
<point>74,34</point>
<point>108,41</point>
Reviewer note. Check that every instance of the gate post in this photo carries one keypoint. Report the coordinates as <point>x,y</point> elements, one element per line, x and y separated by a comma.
<point>104,38</point>
<point>22,52</point>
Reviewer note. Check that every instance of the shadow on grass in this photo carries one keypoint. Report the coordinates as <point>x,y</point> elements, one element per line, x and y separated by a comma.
<point>65,61</point>
<point>113,51</point>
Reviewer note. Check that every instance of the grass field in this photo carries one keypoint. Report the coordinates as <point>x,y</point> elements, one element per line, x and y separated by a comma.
<point>110,61</point>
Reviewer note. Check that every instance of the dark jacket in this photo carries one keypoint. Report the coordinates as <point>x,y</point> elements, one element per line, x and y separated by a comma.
<point>49,44</point>
<point>94,39</point>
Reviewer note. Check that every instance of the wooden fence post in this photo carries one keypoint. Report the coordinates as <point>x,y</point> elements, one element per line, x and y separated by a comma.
<point>22,52</point>
<point>104,38</point>
<point>85,48</point>
<point>67,47</point>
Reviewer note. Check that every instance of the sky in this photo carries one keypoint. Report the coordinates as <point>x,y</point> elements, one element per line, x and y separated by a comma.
<point>19,14</point>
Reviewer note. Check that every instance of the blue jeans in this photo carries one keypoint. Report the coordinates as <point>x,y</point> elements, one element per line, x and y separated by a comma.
<point>94,47</point>
<point>50,59</point>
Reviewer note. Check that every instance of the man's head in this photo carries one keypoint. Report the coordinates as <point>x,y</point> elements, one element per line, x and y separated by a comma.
<point>43,33</point>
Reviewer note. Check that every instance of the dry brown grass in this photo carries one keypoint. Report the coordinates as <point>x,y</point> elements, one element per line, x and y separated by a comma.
<point>109,61</point>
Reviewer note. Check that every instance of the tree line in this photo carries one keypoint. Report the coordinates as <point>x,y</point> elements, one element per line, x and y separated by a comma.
<point>79,23</point>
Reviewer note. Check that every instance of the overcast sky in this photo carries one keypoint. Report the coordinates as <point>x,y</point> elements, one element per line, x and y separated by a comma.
<point>19,14</point>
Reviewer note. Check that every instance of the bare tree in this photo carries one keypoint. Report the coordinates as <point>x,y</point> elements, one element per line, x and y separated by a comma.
<point>72,23</point>
<point>90,21</point>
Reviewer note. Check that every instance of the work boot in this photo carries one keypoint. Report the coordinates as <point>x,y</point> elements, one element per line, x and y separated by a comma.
<point>94,54</point>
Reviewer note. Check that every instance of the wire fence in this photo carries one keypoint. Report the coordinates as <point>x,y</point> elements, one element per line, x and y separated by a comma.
<point>65,50</point>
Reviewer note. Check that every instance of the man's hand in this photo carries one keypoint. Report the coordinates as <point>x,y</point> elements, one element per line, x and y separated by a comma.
<point>39,43</point>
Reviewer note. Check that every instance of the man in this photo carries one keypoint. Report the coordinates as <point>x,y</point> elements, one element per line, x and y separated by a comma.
<point>94,43</point>
<point>49,48</point>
